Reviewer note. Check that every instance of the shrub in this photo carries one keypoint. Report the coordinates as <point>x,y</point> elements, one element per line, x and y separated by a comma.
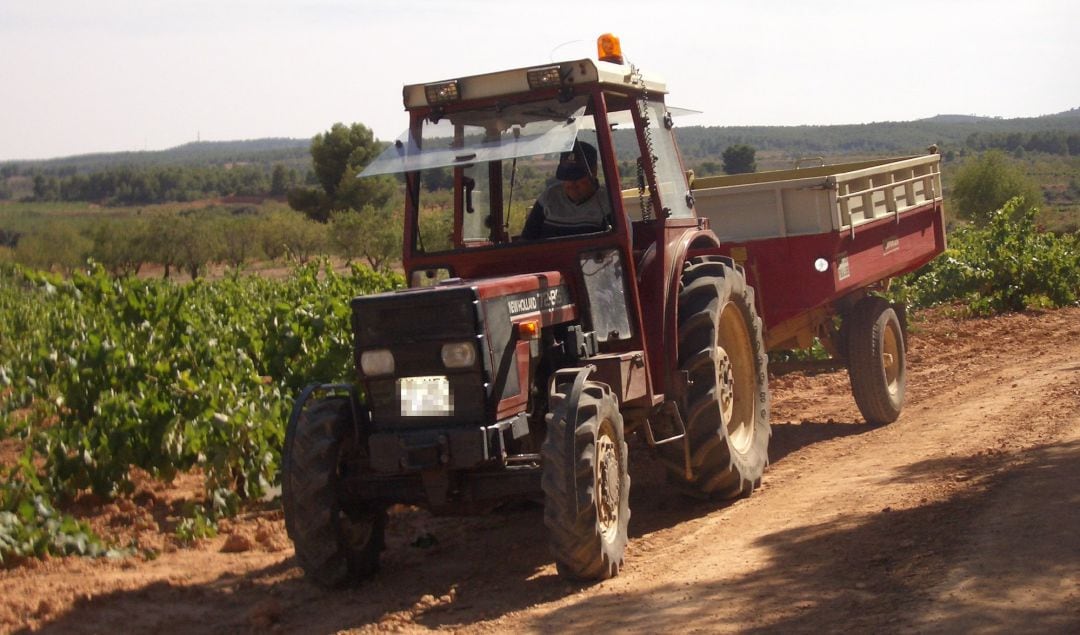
<point>1008,265</point>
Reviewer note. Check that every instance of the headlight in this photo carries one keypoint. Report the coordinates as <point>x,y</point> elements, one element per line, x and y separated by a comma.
<point>458,354</point>
<point>377,362</point>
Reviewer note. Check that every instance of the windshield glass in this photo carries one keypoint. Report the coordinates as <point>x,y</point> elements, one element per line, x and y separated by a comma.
<point>490,134</point>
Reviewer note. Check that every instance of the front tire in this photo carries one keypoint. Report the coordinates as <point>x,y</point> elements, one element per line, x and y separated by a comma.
<point>586,483</point>
<point>334,545</point>
<point>726,411</point>
<point>877,361</point>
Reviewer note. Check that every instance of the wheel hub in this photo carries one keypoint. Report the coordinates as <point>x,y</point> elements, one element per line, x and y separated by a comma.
<point>725,383</point>
<point>607,486</point>
<point>890,359</point>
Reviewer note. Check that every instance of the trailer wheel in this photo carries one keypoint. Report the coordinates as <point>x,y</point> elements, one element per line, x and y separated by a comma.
<point>877,363</point>
<point>726,412</point>
<point>334,545</point>
<point>586,483</point>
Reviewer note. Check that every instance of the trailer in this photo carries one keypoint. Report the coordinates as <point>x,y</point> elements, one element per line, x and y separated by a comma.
<point>817,243</point>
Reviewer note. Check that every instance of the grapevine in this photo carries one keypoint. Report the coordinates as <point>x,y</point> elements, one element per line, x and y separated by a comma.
<point>100,375</point>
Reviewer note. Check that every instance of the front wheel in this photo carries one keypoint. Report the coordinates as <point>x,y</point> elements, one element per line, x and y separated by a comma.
<point>586,483</point>
<point>335,543</point>
<point>877,363</point>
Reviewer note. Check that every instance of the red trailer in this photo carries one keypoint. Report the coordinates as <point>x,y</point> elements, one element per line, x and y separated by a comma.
<point>817,242</point>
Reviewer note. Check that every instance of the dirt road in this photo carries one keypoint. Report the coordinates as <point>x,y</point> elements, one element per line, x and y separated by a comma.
<point>963,516</point>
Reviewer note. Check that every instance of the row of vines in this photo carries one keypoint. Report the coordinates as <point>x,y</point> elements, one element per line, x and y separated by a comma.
<point>100,375</point>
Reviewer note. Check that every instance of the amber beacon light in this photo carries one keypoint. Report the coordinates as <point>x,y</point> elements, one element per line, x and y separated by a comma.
<point>608,49</point>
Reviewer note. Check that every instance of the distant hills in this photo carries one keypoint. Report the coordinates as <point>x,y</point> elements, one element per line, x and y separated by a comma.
<point>948,131</point>
<point>955,119</point>
<point>966,119</point>
<point>290,152</point>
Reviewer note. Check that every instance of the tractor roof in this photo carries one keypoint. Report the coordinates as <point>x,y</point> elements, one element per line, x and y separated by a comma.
<point>522,80</point>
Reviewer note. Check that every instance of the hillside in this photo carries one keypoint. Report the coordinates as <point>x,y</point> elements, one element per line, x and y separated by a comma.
<point>949,132</point>
<point>290,152</point>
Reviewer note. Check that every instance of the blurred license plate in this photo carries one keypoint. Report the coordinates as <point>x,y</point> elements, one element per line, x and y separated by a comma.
<point>425,396</point>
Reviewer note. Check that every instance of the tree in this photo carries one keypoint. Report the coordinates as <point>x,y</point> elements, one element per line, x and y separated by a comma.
<point>380,234</point>
<point>56,244</point>
<point>709,168</point>
<point>347,232</point>
<point>122,246</point>
<point>291,234</point>
<point>306,239</point>
<point>281,180</point>
<point>739,159</point>
<point>237,247</point>
<point>46,188</point>
<point>985,183</point>
<point>338,156</point>
<point>187,241</point>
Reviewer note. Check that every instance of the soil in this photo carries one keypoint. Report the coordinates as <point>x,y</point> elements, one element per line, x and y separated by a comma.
<point>961,516</point>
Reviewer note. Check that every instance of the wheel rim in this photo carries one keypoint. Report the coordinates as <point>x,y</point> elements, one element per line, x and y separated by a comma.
<point>608,481</point>
<point>735,377</point>
<point>890,358</point>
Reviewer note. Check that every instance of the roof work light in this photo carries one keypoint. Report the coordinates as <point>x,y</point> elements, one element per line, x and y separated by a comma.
<point>608,49</point>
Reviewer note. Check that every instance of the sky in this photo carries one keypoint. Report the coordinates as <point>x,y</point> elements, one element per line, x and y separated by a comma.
<point>81,77</point>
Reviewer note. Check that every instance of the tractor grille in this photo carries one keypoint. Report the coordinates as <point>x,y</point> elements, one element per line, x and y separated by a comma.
<point>413,325</point>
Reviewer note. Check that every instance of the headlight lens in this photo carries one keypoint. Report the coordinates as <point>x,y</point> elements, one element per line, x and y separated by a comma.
<point>458,354</point>
<point>377,362</point>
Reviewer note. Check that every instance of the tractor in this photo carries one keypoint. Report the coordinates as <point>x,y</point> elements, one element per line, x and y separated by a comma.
<point>519,369</point>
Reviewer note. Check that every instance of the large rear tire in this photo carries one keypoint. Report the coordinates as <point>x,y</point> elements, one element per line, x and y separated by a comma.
<point>586,483</point>
<point>334,545</point>
<point>877,362</point>
<point>722,350</point>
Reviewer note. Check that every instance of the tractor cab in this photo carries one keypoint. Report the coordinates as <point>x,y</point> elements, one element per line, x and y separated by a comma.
<point>481,149</point>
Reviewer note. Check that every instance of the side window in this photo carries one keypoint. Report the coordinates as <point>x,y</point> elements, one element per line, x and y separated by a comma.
<point>670,178</point>
<point>436,219</point>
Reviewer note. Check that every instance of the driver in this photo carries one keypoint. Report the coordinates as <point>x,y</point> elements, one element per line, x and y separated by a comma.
<point>576,204</point>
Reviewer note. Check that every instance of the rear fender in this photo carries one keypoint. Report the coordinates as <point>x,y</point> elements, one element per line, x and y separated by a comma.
<point>678,254</point>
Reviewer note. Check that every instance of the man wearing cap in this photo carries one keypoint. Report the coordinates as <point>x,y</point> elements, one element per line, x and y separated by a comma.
<point>576,204</point>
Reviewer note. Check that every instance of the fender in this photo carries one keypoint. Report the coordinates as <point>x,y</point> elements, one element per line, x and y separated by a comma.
<point>359,418</point>
<point>677,250</point>
<point>572,399</point>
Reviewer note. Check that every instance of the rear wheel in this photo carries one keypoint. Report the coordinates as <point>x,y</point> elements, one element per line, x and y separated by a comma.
<point>722,350</point>
<point>334,545</point>
<point>586,483</point>
<point>877,362</point>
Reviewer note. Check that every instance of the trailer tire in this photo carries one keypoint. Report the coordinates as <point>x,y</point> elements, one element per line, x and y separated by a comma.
<point>877,361</point>
<point>334,546</point>
<point>726,410</point>
<point>586,483</point>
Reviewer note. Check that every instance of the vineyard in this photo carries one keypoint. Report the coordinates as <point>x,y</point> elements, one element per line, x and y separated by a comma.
<point>105,376</point>
<point>101,375</point>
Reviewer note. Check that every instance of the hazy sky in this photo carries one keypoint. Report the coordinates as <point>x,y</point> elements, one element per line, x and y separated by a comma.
<point>81,76</point>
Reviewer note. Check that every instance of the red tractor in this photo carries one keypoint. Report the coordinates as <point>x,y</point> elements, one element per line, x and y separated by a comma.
<point>516,368</point>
